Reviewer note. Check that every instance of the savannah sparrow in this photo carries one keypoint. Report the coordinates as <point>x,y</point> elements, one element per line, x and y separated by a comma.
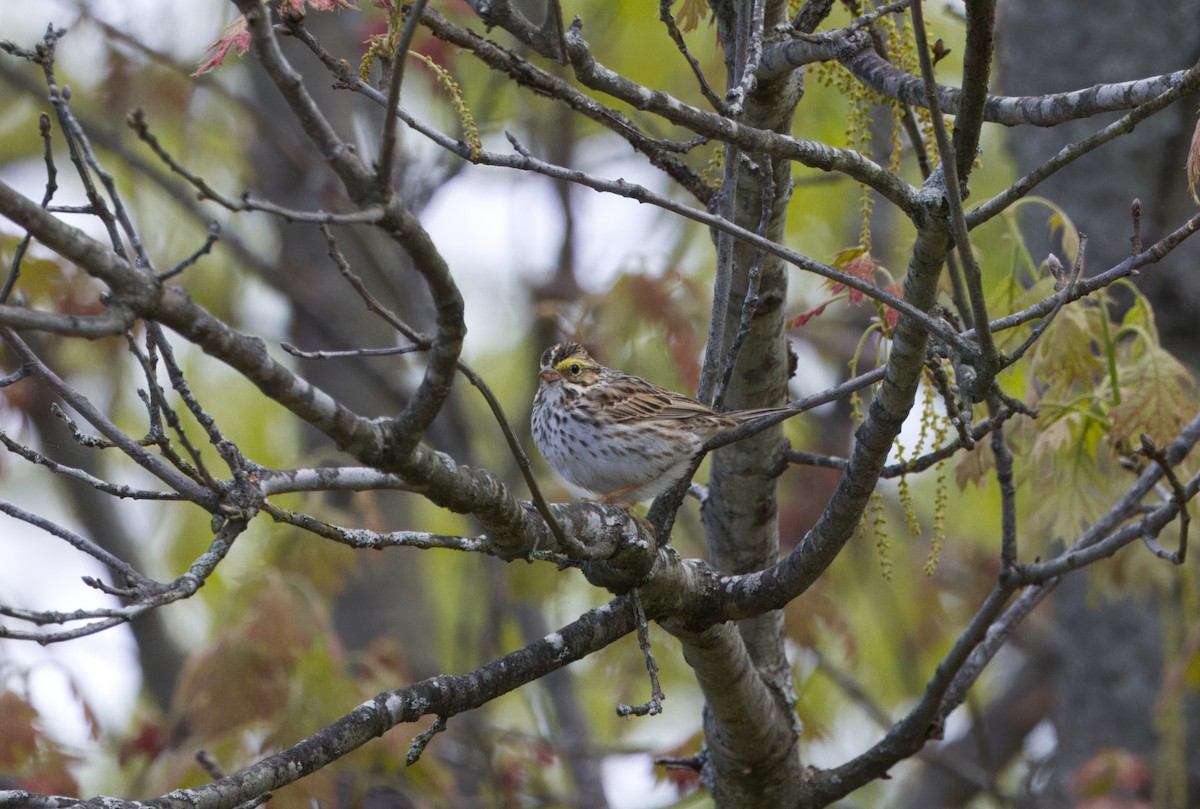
<point>616,435</point>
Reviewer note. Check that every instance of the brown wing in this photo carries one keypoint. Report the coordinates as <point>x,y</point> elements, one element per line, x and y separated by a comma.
<point>633,398</point>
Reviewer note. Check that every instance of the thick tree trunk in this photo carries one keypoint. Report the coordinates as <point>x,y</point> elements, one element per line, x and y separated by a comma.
<point>752,742</point>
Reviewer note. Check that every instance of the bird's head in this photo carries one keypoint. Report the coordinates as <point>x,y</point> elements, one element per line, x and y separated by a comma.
<point>570,364</point>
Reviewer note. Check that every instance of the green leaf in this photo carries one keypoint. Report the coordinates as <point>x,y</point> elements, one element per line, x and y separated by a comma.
<point>1069,474</point>
<point>975,466</point>
<point>1140,314</point>
<point>1058,222</point>
<point>1157,397</point>
<point>691,14</point>
<point>1065,361</point>
<point>1070,235</point>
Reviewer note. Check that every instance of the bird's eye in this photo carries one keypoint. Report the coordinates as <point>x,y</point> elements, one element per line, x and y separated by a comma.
<point>574,369</point>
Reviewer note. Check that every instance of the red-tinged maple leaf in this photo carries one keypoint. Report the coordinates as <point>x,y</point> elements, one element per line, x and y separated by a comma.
<point>856,261</point>
<point>892,315</point>
<point>862,267</point>
<point>236,36</point>
<point>802,319</point>
<point>149,741</point>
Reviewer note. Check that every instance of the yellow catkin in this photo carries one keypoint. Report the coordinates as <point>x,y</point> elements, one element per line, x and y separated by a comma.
<point>940,426</point>
<point>904,493</point>
<point>465,119</point>
<point>883,545</point>
<point>711,173</point>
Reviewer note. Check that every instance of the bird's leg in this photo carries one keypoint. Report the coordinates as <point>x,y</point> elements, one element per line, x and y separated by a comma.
<point>610,499</point>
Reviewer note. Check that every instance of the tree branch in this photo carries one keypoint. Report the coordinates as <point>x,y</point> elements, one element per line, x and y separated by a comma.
<point>1041,110</point>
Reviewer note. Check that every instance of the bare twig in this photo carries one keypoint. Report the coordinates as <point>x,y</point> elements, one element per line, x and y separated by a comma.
<point>80,543</point>
<point>668,19</point>
<point>1008,492</point>
<point>1181,84</point>
<point>395,76</point>
<point>404,431</point>
<point>51,187</point>
<point>422,740</point>
<point>1086,286</point>
<point>749,428</point>
<point>723,224</point>
<point>1179,496</point>
<point>342,159</point>
<point>157,409</point>
<point>749,53</point>
<point>116,490</point>
<point>117,320</point>
<point>85,439</point>
<point>186,487</point>
<point>988,361</point>
<point>702,122</point>
<point>754,277</point>
<point>351,352</point>
<point>214,233</point>
<point>1067,292</point>
<point>368,215</point>
<point>145,594</point>
<point>914,465</point>
<point>15,377</point>
<point>714,345</point>
<point>232,458</point>
<point>653,707</point>
<point>84,158</point>
<point>1135,241</point>
<point>1048,109</point>
<point>77,144</point>
<point>909,735</point>
<point>444,695</point>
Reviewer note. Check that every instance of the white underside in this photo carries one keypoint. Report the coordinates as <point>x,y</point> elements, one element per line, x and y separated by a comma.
<point>601,467</point>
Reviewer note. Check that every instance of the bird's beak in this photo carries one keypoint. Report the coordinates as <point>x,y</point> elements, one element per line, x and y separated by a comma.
<point>550,375</point>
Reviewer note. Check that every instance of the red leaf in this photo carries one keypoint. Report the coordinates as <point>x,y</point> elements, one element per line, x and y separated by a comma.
<point>861,267</point>
<point>148,742</point>
<point>801,319</point>
<point>892,315</point>
<point>236,36</point>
